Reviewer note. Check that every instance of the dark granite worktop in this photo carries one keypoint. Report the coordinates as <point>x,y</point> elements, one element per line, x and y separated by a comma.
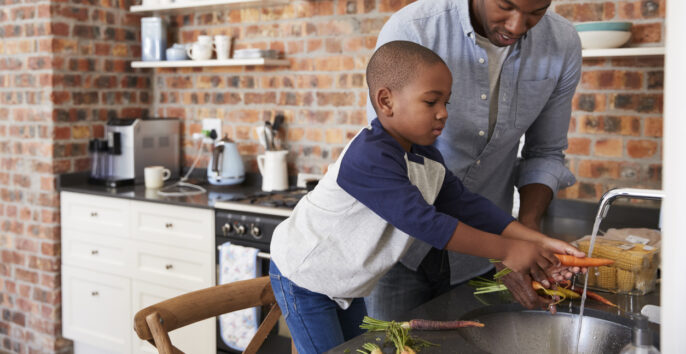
<point>460,303</point>
<point>78,183</point>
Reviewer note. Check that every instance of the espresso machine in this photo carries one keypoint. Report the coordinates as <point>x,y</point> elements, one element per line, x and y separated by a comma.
<point>130,145</point>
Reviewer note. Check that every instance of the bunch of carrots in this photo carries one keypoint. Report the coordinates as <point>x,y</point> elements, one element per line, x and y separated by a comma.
<point>562,292</point>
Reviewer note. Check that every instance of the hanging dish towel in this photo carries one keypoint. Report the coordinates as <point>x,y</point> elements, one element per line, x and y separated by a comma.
<point>238,263</point>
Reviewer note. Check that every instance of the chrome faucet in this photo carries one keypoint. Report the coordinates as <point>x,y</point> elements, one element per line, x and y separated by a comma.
<point>628,193</point>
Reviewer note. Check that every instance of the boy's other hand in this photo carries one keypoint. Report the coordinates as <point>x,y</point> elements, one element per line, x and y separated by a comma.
<point>530,258</point>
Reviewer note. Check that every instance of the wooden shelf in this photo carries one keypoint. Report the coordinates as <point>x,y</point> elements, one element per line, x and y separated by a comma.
<point>213,62</point>
<point>623,52</point>
<point>184,6</point>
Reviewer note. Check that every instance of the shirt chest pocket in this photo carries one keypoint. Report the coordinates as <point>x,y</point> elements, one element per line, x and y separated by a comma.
<point>532,95</point>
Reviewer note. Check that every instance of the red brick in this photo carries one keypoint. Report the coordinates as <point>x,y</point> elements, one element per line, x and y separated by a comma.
<point>653,127</point>
<point>641,148</point>
<point>646,33</point>
<point>608,147</point>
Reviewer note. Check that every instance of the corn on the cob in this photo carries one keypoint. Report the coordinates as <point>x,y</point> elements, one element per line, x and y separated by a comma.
<point>634,258</point>
<point>591,274</point>
<point>607,277</point>
<point>625,279</point>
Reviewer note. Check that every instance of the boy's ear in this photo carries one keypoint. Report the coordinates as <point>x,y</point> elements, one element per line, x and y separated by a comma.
<point>384,100</point>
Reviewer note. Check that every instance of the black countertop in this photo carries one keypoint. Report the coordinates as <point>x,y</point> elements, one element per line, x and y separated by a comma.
<point>460,302</point>
<point>78,183</point>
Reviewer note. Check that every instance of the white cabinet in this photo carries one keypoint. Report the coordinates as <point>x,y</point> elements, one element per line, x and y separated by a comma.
<point>199,337</point>
<point>119,256</point>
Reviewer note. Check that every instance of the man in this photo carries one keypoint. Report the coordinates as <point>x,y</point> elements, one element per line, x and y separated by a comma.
<point>515,67</point>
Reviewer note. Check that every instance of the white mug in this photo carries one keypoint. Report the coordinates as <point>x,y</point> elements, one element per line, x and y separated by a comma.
<point>200,51</point>
<point>155,176</point>
<point>272,166</point>
<point>205,39</point>
<point>222,46</point>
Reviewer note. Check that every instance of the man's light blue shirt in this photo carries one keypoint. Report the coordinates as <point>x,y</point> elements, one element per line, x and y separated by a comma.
<point>537,83</point>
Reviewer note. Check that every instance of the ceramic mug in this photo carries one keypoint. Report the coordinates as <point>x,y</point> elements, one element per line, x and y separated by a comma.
<point>200,51</point>
<point>205,39</point>
<point>222,46</point>
<point>155,176</point>
<point>272,166</point>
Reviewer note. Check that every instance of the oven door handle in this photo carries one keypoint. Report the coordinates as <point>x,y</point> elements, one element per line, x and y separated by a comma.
<point>264,255</point>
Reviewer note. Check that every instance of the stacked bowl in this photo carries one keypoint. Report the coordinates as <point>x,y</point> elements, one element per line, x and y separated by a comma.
<point>603,34</point>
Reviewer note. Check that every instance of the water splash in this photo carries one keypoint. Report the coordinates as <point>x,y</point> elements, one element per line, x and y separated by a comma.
<point>596,226</point>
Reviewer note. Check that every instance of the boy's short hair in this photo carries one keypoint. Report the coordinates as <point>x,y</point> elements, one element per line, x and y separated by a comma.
<point>394,64</point>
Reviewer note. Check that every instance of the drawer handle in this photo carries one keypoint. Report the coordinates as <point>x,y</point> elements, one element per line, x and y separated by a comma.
<point>169,266</point>
<point>94,252</point>
<point>94,293</point>
<point>169,225</point>
<point>94,214</point>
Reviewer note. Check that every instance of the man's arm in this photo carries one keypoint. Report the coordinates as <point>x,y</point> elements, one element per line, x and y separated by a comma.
<point>533,202</point>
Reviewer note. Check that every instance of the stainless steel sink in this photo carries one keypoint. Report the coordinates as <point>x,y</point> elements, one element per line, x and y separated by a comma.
<point>511,330</point>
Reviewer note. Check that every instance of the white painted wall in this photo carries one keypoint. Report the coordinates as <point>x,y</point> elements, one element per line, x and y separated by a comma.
<point>674,183</point>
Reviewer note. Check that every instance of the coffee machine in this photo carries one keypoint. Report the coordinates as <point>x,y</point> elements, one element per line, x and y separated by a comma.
<point>132,145</point>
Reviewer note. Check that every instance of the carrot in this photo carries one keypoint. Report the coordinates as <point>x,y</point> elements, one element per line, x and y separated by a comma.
<point>561,292</point>
<point>572,261</point>
<point>428,325</point>
<point>595,296</point>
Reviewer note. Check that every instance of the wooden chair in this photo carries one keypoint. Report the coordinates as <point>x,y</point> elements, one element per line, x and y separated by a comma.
<point>154,323</point>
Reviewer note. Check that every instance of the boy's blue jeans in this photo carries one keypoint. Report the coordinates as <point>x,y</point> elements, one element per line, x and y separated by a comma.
<point>315,321</point>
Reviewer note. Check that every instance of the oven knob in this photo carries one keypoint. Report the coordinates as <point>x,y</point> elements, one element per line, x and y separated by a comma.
<point>226,228</point>
<point>240,229</point>
<point>255,231</point>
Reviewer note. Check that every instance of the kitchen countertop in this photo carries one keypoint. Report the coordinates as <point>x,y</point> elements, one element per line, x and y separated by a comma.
<point>460,301</point>
<point>78,183</point>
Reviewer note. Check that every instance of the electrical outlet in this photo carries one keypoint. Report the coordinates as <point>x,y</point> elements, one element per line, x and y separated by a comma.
<point>208,124</point>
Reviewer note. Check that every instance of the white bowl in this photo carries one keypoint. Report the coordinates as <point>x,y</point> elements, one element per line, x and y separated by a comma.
<point>603,39</point>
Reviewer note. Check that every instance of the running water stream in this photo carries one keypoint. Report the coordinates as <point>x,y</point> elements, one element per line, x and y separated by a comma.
<point>580,319</point>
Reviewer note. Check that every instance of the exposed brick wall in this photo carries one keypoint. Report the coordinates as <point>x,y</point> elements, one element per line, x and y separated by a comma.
<point>615,134</point>
<point>63,70</point>
<point>615,137</point>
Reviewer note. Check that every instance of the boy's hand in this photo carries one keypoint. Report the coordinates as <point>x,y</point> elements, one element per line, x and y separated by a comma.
<point>530,258</point>
<point>560,272</point>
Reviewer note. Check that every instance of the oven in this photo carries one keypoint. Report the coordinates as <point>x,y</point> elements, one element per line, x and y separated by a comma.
<point>250,221</point>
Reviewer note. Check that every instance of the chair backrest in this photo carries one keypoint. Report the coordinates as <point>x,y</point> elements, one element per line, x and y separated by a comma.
<point>154,322</point>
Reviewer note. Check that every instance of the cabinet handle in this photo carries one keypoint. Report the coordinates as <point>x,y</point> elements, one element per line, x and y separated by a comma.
<point>169,225</point>
<point>94,252</point>
<point>94,293</point>
<point>94,214</point>
<point>169,266</point>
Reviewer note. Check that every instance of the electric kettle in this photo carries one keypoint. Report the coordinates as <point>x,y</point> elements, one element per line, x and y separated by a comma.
<point>226,165</point>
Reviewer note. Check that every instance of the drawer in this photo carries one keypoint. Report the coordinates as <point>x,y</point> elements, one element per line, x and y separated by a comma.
<point>173,266</point>
<point>100,253</point>
<point>101,215</point>
<point>96,309</point>
<point>199,337</point>
<point>185,227</point>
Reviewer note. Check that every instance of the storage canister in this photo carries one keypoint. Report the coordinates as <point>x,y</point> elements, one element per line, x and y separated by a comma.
<point>153,38</point>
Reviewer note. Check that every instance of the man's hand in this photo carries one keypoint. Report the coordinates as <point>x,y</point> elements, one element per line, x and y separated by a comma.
<point>520,286</point>
<point>559,272</point>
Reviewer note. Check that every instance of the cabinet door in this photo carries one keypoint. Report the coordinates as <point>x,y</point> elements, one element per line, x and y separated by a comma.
<point>197,338</point>
<point>173,266</point>
<point>185,227</point>
<point>101,215</point>
<point>96,309</point>
<point>108,254</point>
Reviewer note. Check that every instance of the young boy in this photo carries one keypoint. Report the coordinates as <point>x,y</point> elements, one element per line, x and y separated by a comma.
<point>388,187</point>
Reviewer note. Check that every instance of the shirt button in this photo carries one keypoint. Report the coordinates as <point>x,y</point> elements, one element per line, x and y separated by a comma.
<point>483,96</point>
<point>481,60</point>
<point>481,133</point>
<point>478,162</point>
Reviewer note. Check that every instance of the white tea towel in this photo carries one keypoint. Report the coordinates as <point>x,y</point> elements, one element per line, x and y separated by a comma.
<point>238,263</point>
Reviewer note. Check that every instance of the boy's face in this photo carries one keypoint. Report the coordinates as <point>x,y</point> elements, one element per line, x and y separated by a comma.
<point>419,109</point>
<point>503,22</point>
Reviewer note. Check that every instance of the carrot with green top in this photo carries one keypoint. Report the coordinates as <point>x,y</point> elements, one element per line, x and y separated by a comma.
<point>589,293</point>
<point>373,324</point>
<point>561,292</point>
<point>585,262</point>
